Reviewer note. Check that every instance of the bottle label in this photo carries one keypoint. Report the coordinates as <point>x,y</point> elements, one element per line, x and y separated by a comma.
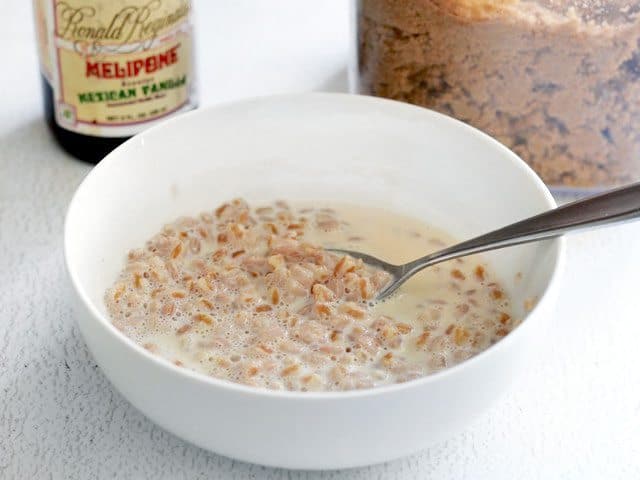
<point>116,66</point>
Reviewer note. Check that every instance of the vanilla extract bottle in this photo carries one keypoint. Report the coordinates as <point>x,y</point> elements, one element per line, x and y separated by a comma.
<point>111,69</point>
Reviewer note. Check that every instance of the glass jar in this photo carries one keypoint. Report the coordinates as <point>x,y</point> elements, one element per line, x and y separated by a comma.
<point>557,81</point>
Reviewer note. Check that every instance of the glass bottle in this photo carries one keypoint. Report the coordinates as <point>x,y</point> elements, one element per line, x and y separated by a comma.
<point>112,68</point>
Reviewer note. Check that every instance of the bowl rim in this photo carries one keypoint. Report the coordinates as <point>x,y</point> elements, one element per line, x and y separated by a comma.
<point>558,244</point>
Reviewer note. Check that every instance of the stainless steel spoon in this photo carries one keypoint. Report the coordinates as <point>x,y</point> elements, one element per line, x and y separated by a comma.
<point>615,206</point>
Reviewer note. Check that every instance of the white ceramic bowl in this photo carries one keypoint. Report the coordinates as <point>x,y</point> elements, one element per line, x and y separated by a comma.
<point>313,146</point>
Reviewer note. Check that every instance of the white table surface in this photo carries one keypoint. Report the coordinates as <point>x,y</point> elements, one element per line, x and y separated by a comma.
<point>574,415</point>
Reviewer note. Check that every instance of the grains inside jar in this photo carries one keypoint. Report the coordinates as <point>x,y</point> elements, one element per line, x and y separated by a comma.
<point>251,295</point>
<point>557,81</point>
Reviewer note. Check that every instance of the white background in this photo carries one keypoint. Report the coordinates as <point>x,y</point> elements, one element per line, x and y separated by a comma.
<point>575,414</point>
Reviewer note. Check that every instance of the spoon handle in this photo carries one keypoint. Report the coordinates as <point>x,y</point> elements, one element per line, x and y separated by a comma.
<point>614,206</point>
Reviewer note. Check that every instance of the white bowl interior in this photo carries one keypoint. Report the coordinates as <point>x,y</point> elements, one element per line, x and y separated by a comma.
<point>307,147</point>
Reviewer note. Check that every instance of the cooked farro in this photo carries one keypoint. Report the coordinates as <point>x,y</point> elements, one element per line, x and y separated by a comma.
<point>251,296</point>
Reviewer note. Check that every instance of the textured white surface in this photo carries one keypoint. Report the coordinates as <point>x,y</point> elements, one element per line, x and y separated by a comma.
<point>574,415</point>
